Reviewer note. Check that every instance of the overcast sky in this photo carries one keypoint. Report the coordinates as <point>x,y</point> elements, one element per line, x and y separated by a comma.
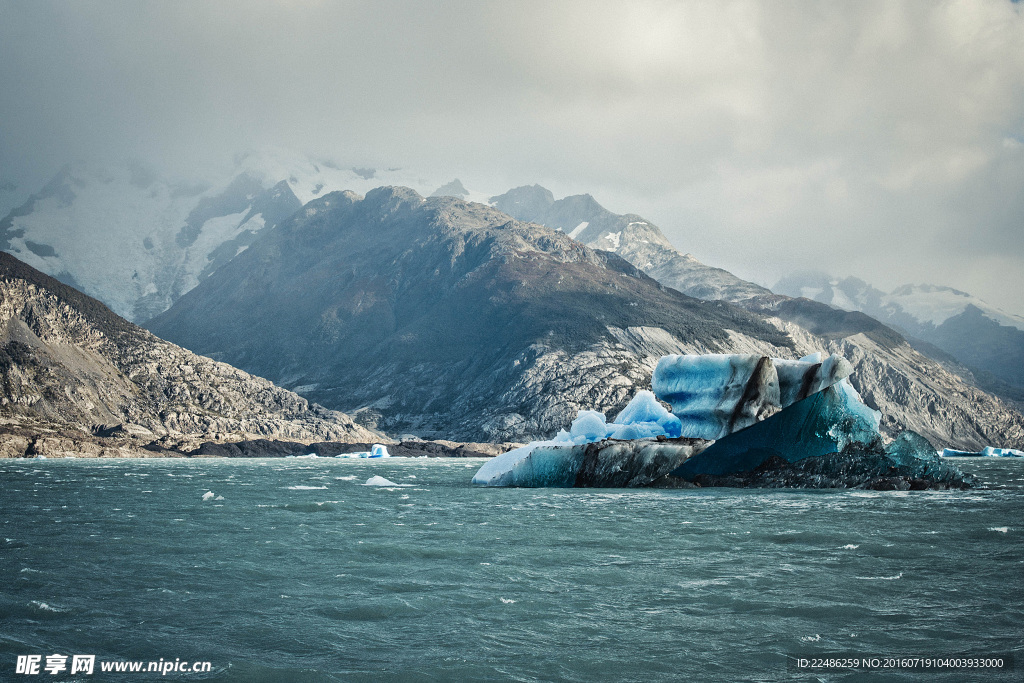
<point>883,140</point>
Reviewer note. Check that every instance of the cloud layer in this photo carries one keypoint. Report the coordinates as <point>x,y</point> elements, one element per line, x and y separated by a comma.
<point>877,139</point>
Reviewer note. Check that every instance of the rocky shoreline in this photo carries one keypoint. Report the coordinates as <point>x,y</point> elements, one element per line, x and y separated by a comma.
<point>61,442</point>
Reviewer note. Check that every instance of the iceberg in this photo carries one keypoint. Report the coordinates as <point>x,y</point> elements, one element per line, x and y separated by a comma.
<point>907,464</point>
<point>735,418</point>
<point>377,451</point>
<point>377,480</point>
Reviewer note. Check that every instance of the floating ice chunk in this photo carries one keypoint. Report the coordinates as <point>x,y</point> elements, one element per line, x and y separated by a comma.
<point>307,456</point>
<point>556,463</point>
<point>541,463</point>
<point>208,495</point>
<point>377,451</point>
<point>378,480</point>
<point>992,452</point>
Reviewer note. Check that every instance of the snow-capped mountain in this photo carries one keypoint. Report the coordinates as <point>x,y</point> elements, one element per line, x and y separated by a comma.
<point>986,339</point>
<point>910,306</point>
<point>138,241</point>
<point>632,237</point>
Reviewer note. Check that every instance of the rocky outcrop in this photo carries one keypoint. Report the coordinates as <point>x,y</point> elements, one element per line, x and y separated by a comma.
<point>68,363</point>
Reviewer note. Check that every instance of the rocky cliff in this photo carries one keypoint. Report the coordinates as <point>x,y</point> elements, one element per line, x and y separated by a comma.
<point>71,369</point>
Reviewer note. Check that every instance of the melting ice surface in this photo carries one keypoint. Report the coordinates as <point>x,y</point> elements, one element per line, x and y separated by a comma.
<point>717,394</point>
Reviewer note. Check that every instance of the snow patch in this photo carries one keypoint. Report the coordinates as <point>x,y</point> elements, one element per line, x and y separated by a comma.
<point>578,229</point>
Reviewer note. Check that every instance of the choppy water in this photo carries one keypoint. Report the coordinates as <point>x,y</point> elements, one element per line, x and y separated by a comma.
<point>301,573</point>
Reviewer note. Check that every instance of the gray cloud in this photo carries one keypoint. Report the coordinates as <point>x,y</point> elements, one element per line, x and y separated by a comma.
<point>878,139</point>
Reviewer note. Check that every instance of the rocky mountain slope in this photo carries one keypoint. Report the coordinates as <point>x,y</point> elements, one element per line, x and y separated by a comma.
<point>986,340</point>
<point>632,237</point>
<point>138,240</point>
<point>72,369</point>
<point>442,317</point>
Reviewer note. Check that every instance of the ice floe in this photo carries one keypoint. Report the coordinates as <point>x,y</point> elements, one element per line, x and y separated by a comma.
<point>377,451</point>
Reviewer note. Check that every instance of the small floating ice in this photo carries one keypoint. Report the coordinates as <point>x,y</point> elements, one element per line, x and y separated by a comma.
<point>301,487</point>
<point>302,457</point>
<point>378,451</point>
<point>377,480</point>
<point>987,452</point>
<point>45,607</point>
<point>1000,529</point>
<point>208,495</point>
<point>880,578</point>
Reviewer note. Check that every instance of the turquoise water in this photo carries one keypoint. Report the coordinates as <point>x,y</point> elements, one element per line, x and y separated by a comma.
<point>301,573</point>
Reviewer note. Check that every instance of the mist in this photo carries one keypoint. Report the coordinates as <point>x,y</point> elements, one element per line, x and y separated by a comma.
<point>877,139</point>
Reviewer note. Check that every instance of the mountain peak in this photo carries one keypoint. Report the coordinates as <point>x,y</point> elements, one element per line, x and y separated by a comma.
<point>452,189</point>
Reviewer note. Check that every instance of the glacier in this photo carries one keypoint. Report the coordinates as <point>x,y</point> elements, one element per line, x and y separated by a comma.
<point>768,418</point>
